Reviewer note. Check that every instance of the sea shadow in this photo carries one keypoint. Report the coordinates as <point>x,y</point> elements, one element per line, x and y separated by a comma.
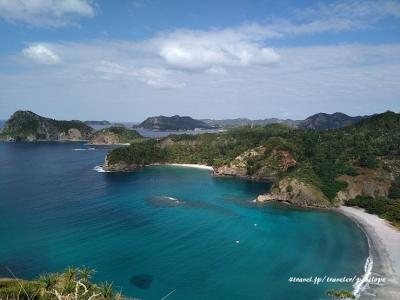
<point>142,281</point>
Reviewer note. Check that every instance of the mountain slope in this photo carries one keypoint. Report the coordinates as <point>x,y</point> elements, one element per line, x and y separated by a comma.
<point>173,123</point>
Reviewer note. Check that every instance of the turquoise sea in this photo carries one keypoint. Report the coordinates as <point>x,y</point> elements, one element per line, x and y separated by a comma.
<point>164,230</point>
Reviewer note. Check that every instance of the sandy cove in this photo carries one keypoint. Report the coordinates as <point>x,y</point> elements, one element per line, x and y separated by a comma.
<point>384,240</point>
<point>192,166</point>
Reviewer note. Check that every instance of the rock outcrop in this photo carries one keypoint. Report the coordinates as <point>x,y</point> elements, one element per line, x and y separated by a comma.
<point>269,165</point>
<point>113,136</point>
<point>296,192</point>
<point>369,183</point>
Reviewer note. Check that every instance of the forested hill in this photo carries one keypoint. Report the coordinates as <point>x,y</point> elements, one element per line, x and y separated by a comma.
<point>322,121</point>
<point>327,167</point>
<point>173,123</point>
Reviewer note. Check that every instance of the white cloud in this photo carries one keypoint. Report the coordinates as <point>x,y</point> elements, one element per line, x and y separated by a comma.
<point>336,16</point>
<point>203,50</point>
<point>41,54</point>
<point>356,10</point>
<point>45,13</point>
<point>154,77</point>
<point>158,78</point>
<point>355,78</point>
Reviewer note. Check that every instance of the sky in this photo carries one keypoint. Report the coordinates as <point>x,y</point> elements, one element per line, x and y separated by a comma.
<point>127,60</point>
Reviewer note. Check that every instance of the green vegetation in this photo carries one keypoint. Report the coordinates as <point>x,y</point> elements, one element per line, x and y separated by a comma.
<point>173,123</point>
<point>341,294</point>
<point>385,208</point>
<point>72,284</point>
<point>321,155</point>
<point>139,153</point>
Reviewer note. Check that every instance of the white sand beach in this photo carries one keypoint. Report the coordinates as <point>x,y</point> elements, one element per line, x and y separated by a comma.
<point>384,241</point>
<point>192,166</point>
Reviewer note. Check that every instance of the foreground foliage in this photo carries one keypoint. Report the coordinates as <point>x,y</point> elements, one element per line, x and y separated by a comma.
<point>341,294</point>
<point>72,284</point>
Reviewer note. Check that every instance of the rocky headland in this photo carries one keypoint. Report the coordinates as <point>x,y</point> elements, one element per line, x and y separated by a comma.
<point>27,126</point>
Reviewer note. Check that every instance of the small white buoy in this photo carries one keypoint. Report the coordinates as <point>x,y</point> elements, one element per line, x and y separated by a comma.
<point>255,225</point>
<point>237,242</point>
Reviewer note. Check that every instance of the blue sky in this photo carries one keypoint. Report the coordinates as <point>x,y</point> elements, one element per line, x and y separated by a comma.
<point>129,59</point>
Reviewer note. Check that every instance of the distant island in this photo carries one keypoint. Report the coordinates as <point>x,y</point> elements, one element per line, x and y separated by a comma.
<point>97,123</point>
<point>357,164</point>
<point>173,123</point>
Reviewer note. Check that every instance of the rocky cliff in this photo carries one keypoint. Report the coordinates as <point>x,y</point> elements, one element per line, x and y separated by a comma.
<point>259,164</point>
<point>373,183</point>
<point>369,183</point>
<point>297,192</point>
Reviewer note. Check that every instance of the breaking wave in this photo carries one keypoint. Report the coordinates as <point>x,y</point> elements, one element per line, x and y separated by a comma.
<point>84,149</point>
<point>362,284</point>
<point>100,169</point>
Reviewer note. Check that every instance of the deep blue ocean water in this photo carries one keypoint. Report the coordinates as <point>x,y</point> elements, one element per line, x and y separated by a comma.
<point>56,211</point>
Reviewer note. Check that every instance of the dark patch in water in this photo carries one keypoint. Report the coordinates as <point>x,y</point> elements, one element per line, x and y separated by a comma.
<point>142,281</point>
<point>213,207</point>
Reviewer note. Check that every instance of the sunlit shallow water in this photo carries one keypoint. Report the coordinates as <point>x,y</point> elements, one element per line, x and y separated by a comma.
<point>164,229</point>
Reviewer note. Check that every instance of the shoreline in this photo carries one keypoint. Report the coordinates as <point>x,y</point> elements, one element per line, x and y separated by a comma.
<point>196,166</point>
<point>384,248</point>
<point>100,168</point>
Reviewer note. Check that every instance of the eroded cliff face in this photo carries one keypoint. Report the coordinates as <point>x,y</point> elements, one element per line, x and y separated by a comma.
<point>296,192</point>
<point>114,135</point>
<point>104,139</point>
<point>120,166</point>
<point>256,163</point>
<point>369,183</point>
<point>72,134</point>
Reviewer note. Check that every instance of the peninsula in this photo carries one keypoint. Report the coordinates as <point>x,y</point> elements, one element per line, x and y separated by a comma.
<point>307,167</point>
